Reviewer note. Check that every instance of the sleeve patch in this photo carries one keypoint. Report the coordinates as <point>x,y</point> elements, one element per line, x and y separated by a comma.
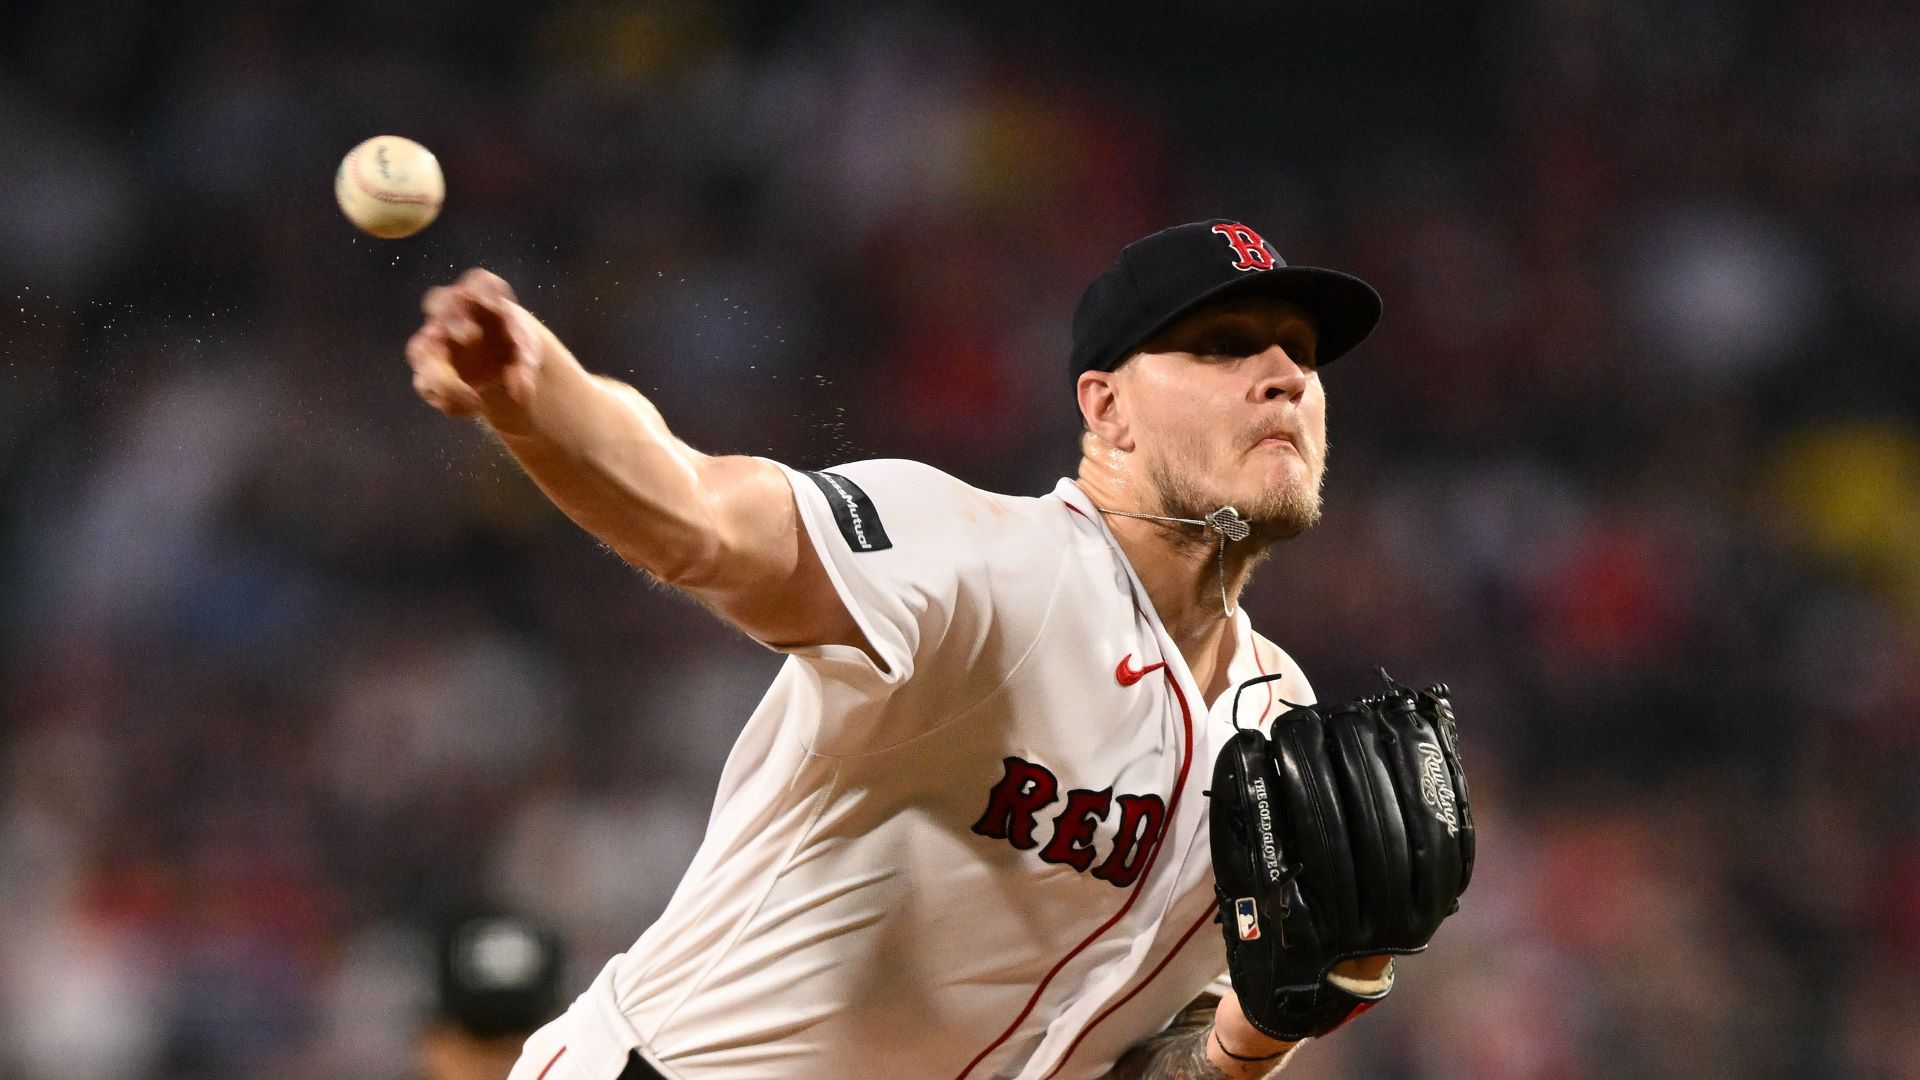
<point>859,522</point>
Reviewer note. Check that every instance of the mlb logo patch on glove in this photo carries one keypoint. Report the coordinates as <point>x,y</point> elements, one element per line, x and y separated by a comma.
<point>1246,917</point>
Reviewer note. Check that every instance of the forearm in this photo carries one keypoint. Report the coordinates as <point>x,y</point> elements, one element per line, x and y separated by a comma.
<point>605,456</point>
<point>1190,1049</point>
<point>724,529</point>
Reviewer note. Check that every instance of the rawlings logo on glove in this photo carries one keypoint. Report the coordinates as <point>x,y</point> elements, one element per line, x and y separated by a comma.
<point>1435,790</point>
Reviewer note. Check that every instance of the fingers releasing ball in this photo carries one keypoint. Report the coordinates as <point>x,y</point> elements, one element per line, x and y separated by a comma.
<point>390,187</point>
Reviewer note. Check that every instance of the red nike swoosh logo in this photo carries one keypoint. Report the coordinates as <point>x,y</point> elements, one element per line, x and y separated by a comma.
<point>1127,675</point>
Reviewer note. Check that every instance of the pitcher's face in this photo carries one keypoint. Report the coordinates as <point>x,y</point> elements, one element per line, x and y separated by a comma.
<point>1226,409</point>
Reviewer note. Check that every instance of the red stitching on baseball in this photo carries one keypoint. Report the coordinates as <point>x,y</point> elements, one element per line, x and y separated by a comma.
<point>360,181</point>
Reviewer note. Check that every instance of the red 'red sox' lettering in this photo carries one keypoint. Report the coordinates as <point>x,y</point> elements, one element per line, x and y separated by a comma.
<point>1072,842</point>
<point>1013,809</point>
<point>1140,818</point>
<point>1025,788</point>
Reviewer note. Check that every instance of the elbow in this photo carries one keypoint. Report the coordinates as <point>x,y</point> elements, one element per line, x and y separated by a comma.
<point>688,552</point>
<point>693,565</point>
<point>710,538</point>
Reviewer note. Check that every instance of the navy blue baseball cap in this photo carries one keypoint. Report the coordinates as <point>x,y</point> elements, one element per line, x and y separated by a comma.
<point>1162,277</point>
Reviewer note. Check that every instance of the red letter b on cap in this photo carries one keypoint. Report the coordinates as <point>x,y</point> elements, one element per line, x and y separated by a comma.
<point>1249,249</point>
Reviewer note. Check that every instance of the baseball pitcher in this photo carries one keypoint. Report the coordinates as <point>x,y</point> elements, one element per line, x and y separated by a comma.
<point>1030,798</point>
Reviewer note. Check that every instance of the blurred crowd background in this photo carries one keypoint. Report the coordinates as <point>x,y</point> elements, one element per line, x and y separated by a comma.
<point>292,665</point>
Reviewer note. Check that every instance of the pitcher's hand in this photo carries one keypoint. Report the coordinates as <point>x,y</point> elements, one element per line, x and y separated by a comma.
<point>478,352</point>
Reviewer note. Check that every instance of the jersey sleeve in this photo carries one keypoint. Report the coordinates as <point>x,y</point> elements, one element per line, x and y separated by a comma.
<point>900,541</point>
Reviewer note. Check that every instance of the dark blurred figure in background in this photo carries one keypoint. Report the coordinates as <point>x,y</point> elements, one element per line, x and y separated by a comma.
<point>498,980</point>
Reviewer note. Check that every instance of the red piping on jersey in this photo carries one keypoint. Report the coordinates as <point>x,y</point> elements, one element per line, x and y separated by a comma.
<point>1173,805</point>
<point>550,1062</point>
<point>1204,918</point>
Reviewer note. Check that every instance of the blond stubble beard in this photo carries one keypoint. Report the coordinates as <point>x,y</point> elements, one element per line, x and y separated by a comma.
<point>1275,514</point>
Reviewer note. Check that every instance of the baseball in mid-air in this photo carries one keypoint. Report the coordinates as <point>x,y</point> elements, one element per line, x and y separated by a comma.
<point>390,187</point>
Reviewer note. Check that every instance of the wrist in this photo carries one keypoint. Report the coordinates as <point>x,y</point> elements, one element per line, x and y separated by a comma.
<point>1269,1051</point>
<point>1238,1048</point>
<point>508,418</point>
<point>561,404</point>
<point>1238,1035</point>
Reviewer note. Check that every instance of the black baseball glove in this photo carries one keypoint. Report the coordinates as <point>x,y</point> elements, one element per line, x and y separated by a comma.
<point>1345,834</point>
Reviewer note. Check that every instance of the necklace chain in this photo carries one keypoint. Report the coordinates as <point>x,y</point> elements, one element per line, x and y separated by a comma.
<point>1226,523</point>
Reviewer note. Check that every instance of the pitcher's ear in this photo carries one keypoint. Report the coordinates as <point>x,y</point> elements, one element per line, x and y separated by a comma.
<point>1103,407</point>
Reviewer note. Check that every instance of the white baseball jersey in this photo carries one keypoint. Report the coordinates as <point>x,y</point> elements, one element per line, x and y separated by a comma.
<point>983,856</point>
